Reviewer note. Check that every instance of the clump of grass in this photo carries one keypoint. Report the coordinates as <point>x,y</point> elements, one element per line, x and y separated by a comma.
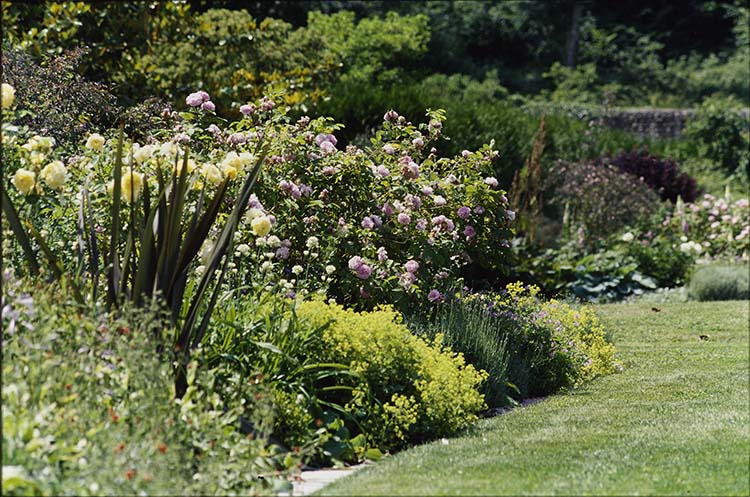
<point>468,327</point>
<point>720,282</point>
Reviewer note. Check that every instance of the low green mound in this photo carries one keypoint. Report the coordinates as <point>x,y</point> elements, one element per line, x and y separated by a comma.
<point>720,282</point>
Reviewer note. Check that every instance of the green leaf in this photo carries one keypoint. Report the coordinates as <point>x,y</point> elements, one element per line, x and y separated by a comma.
<point>19,232</point>
<point>113,279</point>
<point>374,454</point>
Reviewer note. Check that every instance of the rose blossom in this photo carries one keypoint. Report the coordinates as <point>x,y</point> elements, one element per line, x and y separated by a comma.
<point>194,100</point>
<point>404,218</point>
<point>411,266</point>
<point>367,223</point>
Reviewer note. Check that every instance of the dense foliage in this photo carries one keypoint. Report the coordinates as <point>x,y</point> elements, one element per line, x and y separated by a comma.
<point>258,271</point>
<point>662,175</point>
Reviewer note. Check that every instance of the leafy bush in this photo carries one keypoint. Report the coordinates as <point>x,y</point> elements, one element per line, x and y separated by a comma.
<point>608,276</point>
<point>89,409</point>
<point>408,390</point>
<point>260,338</point>
<point>662,175</point>
<point>59,102</point>
<point>722,135</point>
<point>659,256</point>
<point>599,200</point>
<point>239,59</point>
<point>720,282</point>
<point>385,224</point>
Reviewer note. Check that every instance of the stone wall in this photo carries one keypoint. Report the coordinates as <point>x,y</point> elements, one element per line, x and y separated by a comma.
<point>651,123</point>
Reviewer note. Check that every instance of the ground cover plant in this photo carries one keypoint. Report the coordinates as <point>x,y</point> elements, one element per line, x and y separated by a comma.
<point>674,421</point>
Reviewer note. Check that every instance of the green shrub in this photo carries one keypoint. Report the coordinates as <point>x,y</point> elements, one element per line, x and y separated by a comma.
<point>720,282</point>
<point>409,390</point>
<point>598,200</point>
<point>260,338</point>
<point>722,135</point>
<point>59,102</point>
<point>659,257</point>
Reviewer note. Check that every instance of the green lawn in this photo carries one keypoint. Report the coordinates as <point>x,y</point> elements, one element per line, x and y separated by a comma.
<point>675,421</point>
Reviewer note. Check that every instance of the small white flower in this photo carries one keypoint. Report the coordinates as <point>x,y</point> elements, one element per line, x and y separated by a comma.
<point>330,269</point>
<point>297,269</point>
<point>273,241</point>
<point>627,237</point>
<point>243,249</point>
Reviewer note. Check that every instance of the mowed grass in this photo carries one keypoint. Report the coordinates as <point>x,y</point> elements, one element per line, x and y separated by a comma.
<point>675,421</point>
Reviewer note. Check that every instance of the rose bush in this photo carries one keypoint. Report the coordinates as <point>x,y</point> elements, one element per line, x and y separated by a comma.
<point>712,227</point>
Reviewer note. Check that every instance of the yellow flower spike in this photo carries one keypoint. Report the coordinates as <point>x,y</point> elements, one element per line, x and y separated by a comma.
<point>229,171</point>
<point>190,166</point>
<point>212,174</point>
<point>142,154</point>
<point>233,160</point>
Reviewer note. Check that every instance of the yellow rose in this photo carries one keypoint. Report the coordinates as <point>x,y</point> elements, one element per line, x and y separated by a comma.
<point>95,141</point>
<point>45,143</point>
<point>37,157</point>
<point>229,171</point>
<point>54,174</point>
<point>212,174</point>
<point>180,163</point>
<point>39,144</point>
<point>24,180</point>
<point>143,153</point>
<point>261,225</point>
<point>132,184</point>
<point>8,95</point>
<point>233,160</point>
